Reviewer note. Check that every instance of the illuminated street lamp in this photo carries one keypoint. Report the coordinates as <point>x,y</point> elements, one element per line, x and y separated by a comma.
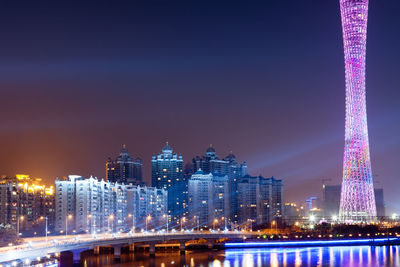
<point>19,218</point>
<point>182,221</point>
<point>46,228</point>
<point>215,222</point>
<point>166,218</point>
<point>148,218</point>
<point>312,219</point>
<point>110,218</point>
<point>197,220</point>
<point>69,217</point>
<point>224,218</point>
<point>133,222</point>
<point>273,223</point>
<point>89,223</point>
<point>251,224</point>
<point>394,216</point>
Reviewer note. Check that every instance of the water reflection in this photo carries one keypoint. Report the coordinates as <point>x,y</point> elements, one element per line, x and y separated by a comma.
<point>316,256</point>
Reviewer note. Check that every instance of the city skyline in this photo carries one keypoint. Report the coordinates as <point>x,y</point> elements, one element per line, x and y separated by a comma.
<point>207,133</point>
<point>257,82</point>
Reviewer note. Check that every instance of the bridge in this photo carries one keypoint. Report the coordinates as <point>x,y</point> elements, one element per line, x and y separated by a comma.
<point>40,247</point>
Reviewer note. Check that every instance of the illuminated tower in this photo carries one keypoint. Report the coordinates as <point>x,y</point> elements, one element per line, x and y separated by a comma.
<point>357,202</point>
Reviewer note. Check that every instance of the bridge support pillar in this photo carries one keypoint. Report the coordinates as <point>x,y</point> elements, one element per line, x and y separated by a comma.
<point>152,249</point>
<point>210,245</point>
<point>96,250</point>
<point>182,247</point>
<point>76,257</point>
<point>117,253</point>
<point>132,247</point>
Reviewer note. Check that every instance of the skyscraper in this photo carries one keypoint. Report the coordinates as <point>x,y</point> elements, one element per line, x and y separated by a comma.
<point>167,173</point>
<point>260,199</point>
<point>146,203</point>
<point>124,169</point>
<point>357,203</point>
<point>212,163</point>
<point>209,199</point>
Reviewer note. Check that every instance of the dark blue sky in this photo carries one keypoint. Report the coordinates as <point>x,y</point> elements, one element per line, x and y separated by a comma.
<point>264,79</point>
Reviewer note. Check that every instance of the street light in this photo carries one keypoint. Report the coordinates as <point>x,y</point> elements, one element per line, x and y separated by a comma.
<point>166,218</point>
<point>46,228</point>
<point>197,220</point>
<point>182,221</point>
<point>66,223</point>
<point>251,224</point>
<point>89,223</point>
<point>223,218</point>
<point>110,218</point>
<point>133,222</point>
<point>148,218</point>
<point>19,218</point>
<point>215,221</point>
<point>312,219</point>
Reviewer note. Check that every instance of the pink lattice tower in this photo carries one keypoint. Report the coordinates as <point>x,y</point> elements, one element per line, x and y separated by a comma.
<point>357,203</point>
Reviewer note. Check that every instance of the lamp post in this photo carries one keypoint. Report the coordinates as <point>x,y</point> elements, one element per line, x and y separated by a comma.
<point>46,228</point>
<point>133,223</point>
<point>197,221</point>
<point>148,218</point>
<point>66,223</point>
<point>312,219</point>
<point>224,218</point>
<point>110,218</point>
<point>89,223</point>
<point>182,221</point>
<point>18,223</point>
<point>166,218</point>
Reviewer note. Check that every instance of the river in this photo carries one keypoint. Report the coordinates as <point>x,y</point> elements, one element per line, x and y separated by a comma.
<point>313,256</point>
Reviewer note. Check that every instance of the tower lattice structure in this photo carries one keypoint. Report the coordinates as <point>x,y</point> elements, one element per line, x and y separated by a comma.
<point>357,203</point>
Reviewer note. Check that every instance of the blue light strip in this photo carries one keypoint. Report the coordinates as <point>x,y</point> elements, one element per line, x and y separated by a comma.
<point>312,243</point>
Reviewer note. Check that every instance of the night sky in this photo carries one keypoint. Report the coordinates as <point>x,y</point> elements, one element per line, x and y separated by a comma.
<point>263,79</point>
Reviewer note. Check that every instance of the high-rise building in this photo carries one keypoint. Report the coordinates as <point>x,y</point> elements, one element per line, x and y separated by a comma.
<point>124,169</point>
<point>167,173</point>
<point>212,163</point>
<point>357,202</point>
<point>331,201</point>
<point>260,200</point>
<point>90,205</point>
<point>201,197</point>
<point>26,203</point>
<point>146,203</point>
<point>209,199</point>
